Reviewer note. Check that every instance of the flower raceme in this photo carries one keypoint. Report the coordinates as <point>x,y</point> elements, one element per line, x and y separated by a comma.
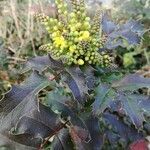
<point>74,38</point>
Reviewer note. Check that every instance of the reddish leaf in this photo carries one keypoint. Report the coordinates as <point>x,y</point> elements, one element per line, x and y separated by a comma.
<point>79,137</point>
<point>139,145</point>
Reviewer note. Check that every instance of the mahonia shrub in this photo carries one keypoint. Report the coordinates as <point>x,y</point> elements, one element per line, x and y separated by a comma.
<point>75,98</point>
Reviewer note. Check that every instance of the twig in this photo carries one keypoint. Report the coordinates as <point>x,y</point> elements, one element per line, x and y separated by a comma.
<point>59,128</point>
<point>17,59</point>
<point>147,57</point>
<point>13,10</point>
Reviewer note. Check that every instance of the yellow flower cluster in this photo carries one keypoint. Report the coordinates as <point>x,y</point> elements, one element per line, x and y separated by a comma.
<point>73,38</point>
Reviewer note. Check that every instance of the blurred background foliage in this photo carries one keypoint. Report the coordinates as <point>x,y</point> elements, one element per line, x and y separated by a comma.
<point>21,36</point>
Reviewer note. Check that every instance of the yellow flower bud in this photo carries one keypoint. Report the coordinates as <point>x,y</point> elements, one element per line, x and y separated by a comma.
<point>59,6</point>
<point>59,24</point>
<point>55,28</point>
<point>86,58</point>
<point>87,19</point>
<point>86,25</point>
<point>54,34</point>
<point>91,57</point>
<point>65,12</point>
<point>73,39</point>
<point>90,62</point>
<point>75,61</point>
<point>73,29</point>
<point>80,62</point>
<point>46,23</point>
<point>48,29</point>
<point>72,48</point>
<point>80,39</point>
<point>61,50</point>
<point>76,33</point>
<point>78,25</point>
<point>59,11</point>
<point>106,57</point>
<point>65,5</point>
<point>72,14</point>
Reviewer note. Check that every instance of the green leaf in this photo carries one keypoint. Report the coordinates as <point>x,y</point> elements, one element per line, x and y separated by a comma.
<point>131,82</point>
<point>103,96</point>
<point>75,80</point>
<point>23,121</point>
<point>128,59</point>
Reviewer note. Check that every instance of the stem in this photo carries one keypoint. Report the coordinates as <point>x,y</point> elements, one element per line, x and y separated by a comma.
<point>57,129</point>
<point>13,10</point>
<point>147,57</point>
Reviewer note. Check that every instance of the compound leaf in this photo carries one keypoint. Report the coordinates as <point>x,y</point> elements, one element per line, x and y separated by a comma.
<point>23,120</point>
<point>130,31</point>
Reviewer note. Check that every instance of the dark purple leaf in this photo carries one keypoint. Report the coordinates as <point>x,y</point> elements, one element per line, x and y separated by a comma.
<point>134,26</point>
<point>89,77</point>
<point>122,129</point>
<point>112,137</point>
<point>112,44</point>
<point>116,106</point>
<point>40,63</point>
<point>23,120</point>
<point>131,31</point>
<point>107,25</point>
<point>97,138</point>
<point>62,141</point>
<point>131,37</point>
<point>132,109</point>
<point>144,104</point>
<point>75,80</point>
<point>132,82</point>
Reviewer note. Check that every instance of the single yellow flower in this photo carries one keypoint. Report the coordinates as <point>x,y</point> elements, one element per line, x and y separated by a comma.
<point>60,41</point>
<point>85,35</point>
